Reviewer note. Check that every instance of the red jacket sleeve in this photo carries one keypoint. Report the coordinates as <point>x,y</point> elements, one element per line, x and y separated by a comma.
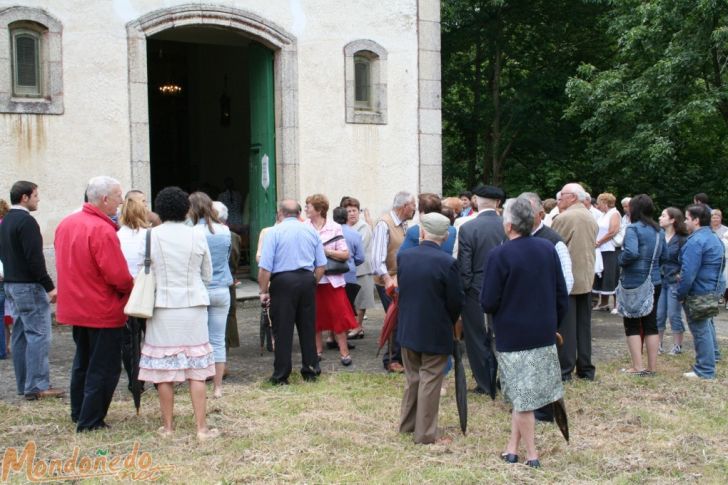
<point>110,260</point>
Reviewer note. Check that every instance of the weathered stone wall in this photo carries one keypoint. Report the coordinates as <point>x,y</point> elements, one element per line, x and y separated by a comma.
<point>326,154</point>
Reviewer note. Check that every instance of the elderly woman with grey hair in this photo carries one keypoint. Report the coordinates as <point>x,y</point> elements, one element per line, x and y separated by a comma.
<point>525,292</point>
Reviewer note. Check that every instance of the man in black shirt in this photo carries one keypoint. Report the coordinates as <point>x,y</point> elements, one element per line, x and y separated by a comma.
<point>29,287</point>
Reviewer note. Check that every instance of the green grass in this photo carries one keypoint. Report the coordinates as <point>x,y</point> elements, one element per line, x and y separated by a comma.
<point>343,429</point>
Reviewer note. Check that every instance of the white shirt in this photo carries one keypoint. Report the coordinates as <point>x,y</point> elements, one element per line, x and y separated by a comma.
<point>603,224</point>
<point>380,241</point>
<point>133,243</point>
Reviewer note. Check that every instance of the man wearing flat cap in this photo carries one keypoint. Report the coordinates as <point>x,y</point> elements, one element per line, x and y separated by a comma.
<point>475,240</point>
<point>430,300</point>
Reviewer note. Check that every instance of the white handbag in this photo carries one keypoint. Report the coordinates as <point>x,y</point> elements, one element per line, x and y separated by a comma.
<point>141,300</point>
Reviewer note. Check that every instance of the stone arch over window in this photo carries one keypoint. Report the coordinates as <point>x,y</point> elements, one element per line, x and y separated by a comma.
<point>285,65</point>
<point>365,64</point>
<point>31,68</point>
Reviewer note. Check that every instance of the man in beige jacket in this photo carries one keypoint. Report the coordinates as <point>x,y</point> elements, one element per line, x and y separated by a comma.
<point>579,230</point>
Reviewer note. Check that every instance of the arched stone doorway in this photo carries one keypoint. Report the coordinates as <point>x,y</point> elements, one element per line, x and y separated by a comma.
<point>274,147</point>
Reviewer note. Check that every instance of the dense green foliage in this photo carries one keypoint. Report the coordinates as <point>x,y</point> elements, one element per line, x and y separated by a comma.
<point>627,96</point>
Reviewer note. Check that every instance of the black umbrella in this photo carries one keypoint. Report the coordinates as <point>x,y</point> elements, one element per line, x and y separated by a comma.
<point>461,389</point>
<point>136,327</point>
<point>491,362</point>
<point>561,419</point>
<point>266,334</point>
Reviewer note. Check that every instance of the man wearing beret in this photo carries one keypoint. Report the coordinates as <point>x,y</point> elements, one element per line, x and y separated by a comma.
<point>475,240</point>
<point>430,300</point>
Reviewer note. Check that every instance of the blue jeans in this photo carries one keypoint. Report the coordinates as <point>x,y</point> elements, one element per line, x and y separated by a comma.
<point>715,340</point>
<point>703,334</point>
<point>217,314</point>
<point>3,349</point>
<point>669,307</point>
<point>31,338</point>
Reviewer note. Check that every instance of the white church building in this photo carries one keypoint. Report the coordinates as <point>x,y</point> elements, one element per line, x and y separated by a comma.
<point>284,97</point>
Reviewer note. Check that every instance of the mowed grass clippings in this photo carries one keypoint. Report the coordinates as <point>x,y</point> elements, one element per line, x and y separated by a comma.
<point>343,429</point>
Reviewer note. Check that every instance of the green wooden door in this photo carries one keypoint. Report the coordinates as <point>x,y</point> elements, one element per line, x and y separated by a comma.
<point>262,146</point>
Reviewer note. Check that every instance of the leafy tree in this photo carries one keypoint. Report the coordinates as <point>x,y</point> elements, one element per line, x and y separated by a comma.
<point>656,119</point>
<point>505,66</point>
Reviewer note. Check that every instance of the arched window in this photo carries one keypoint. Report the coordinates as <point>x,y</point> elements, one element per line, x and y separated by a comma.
<point>25,60</point>
<point>366,88</point>
<point>362,82</point>
<point>31,39</point>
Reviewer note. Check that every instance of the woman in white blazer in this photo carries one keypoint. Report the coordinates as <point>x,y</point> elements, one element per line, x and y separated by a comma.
<point>176,345</point>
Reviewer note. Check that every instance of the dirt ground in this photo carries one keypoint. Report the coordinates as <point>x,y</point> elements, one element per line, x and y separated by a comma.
<point>247,364</point>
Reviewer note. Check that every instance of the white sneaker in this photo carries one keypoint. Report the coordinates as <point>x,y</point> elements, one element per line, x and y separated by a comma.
<point>660,350</point>
<point>676,350</point>
<point>615,311</point>
<point>691,375</point>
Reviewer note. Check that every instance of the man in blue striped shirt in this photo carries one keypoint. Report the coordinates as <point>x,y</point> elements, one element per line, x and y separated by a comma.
<point>291,264</point>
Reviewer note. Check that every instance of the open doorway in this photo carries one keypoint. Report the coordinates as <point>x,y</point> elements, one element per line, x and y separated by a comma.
<point>210,92</point>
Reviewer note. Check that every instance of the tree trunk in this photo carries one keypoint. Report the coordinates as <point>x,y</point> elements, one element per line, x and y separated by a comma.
<point>475,114</point>
<point>495,127</point>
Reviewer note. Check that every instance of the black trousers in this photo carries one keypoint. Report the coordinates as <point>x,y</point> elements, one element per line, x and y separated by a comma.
<point>95,374</point>
<point>477,343</point>
<point>576,332</point>
<point>395,351</point>
<point>293,303</point>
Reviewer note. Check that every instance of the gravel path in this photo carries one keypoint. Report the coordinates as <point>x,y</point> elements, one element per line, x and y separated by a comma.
<point>247,365</point>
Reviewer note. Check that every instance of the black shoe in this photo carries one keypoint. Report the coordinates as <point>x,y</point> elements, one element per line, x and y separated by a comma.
<point>534,463</point>
<point>509,457</point>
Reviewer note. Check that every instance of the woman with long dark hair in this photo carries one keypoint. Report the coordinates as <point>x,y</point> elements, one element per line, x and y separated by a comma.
<point>672,221</point>
<point>643,239</point>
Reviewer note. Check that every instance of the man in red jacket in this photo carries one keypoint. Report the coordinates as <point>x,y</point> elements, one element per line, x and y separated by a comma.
<point>93,286</point>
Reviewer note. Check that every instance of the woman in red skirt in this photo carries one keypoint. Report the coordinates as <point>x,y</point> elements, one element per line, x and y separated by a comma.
<point>333,311</point>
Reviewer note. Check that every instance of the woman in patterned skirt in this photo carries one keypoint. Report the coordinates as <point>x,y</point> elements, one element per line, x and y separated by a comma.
<point>176,344</point>
<point>525,292</point>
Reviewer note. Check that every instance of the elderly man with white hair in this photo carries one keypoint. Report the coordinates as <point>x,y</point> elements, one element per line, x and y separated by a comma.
<point>389,234</point>
<point>93,286</point>
<point>578,229</point>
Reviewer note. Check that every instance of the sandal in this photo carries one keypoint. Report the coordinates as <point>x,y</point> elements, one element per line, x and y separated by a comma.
<point>346,360</point>
<point>634,372</point>
<point>164,432</point>
<point>355,334</point>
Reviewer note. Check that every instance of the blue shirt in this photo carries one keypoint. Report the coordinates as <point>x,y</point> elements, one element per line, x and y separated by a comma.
<point>219,243</point>
<point>412,239</point>
<point>702,258</point>
<point>290,246</point>
<point>671,267</point>
<point>636,256</point>
<point>356,251</point>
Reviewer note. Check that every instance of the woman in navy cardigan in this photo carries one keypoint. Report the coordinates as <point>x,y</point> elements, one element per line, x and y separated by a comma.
<point>525,292</point>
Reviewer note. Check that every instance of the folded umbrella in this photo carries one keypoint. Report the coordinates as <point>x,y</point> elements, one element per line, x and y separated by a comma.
<point>390,319</point>
<point>266,331</point>
<point>561,419</point>
<point>137,386</point>
<point>491,363</point>
<point>461,389</point>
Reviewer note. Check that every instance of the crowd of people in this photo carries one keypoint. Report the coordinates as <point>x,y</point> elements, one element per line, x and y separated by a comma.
<point>521,278</point>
